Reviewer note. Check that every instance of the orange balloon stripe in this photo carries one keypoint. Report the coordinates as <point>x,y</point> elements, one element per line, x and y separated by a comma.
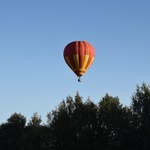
<point>81,50</point>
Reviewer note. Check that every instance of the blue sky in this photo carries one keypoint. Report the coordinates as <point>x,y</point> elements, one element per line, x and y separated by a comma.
<point>33,33</point>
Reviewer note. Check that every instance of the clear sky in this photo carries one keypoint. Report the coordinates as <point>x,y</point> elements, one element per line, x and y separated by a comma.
<point>33,33</point>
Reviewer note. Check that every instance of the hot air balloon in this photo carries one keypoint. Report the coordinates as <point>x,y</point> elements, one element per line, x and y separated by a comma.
<point>79,55</point>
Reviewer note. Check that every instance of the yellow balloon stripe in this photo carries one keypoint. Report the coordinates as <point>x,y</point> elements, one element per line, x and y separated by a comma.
<point>86,58</point>
<point>68,61</point>
<point>90,63</point>
<point>76,61</point>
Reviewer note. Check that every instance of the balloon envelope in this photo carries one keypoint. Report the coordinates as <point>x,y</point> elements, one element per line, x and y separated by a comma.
<point>79,55</point>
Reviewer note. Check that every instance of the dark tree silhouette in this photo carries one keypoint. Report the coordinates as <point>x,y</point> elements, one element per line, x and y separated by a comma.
<point>75,124</point>
<point>113,124</point>
<point>11,132</point>
<point>141,117</point>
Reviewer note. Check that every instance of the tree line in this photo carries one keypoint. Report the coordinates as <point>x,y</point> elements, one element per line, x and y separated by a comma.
<point>78,125</point>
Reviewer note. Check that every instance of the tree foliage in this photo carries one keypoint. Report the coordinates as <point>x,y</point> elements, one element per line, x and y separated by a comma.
<point>76,124</point>
<point>11,132</point>
<point>141,116</point>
